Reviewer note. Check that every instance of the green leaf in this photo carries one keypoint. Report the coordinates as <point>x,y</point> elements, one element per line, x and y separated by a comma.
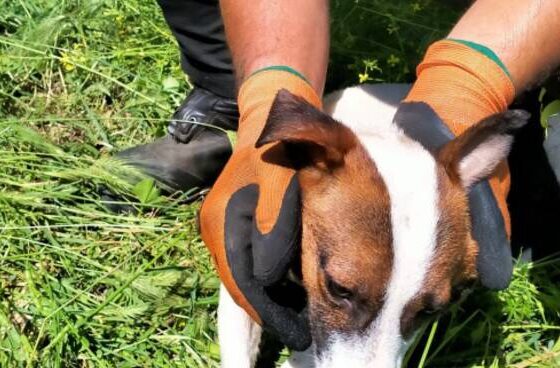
<point>170,84</point>
<point>232,136</point>
<point>146,191</point>
<point>542,93</point>
<point>549,110</point>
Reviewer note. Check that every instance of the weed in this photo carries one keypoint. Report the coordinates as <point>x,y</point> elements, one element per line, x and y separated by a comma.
<point>83,287</point>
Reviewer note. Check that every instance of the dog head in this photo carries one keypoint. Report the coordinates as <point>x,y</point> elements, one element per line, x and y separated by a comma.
<point>386,238</point>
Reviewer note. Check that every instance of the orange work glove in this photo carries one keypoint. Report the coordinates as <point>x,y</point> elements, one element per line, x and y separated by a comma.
<point>460,83</point>
<point>250,220</point>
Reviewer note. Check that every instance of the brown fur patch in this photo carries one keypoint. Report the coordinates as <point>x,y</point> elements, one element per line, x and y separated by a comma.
<point>311,136</point>
<point>346,239</point>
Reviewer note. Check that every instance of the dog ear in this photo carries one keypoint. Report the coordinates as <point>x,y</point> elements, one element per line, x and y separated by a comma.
<point>310,137</point>
<point>473,156</point>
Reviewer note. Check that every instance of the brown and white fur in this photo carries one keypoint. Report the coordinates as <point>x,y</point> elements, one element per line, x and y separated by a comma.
<point>386,237</point>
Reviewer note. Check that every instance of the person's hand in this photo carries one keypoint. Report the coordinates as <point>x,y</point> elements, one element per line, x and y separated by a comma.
<point>250,220</point>
<point>458,86</point>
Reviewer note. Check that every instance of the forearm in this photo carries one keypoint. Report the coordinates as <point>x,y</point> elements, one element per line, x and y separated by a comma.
<point>262,33</point>
<point>496,51</point>
<point>525,34</point>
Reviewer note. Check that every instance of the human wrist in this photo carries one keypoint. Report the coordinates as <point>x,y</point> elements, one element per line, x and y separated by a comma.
<point>462,82</point>
<point>259,91</point>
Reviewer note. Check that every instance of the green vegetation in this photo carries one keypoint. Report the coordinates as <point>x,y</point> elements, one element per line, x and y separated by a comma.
<point>83,287</point>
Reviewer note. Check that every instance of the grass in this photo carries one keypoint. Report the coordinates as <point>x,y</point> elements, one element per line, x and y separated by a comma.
<point>83,287</point>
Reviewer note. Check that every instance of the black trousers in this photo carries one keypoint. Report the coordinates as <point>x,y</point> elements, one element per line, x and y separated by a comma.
<point>198,27</point>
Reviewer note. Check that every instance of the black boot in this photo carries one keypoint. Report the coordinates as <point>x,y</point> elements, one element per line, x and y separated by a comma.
<point>196,149</point>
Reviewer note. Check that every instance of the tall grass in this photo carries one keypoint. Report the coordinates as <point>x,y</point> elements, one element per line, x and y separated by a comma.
<point>81,286</point>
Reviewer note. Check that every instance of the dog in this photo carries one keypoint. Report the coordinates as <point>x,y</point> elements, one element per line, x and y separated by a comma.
<point>386,238</point>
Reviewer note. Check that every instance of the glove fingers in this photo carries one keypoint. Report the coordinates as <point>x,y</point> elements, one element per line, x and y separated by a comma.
<point>500,184</point>
<point>274,251</point>
<point>217,210</point>
<point>289,327</point>
<point>274,177</point>
<point>494,262</point>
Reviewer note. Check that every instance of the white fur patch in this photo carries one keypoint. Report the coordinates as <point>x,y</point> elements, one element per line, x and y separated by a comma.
<point>409,172</point>
<point>239,335</point>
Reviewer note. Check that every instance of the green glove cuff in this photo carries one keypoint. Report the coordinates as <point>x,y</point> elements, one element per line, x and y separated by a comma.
<point>485,51</point>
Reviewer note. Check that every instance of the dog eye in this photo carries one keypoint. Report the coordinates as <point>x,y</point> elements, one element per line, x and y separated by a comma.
<point>430,311</point>
<point>338,291</point>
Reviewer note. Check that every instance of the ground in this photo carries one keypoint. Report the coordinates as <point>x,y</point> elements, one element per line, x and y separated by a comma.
<point>81,286</point>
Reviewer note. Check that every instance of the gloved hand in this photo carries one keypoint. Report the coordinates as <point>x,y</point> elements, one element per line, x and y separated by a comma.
<point>250,220</point>
<point>459,84</point>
